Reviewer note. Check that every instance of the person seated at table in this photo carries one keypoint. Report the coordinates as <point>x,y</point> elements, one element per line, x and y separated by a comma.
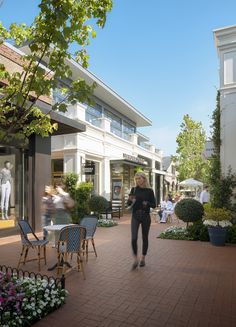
<point>169,209</point>
<point>162,207</point>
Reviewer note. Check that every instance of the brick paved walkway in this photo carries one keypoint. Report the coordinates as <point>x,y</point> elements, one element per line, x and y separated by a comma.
<point>184,283</point>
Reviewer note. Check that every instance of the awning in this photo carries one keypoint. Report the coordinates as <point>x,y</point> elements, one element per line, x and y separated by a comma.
<point>130,163</point>
<point>66,125</point>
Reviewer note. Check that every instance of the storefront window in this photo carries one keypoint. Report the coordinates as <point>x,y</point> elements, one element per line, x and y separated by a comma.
<point>93,113</point>
<point>116,123</point>
<point>57,170</point>
<point>122,179</point>
<point>128,129</point>
<point>13,190</point>
<point>94,176</point>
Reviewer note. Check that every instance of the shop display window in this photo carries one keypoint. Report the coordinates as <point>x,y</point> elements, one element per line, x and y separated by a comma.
<point>13,193</point>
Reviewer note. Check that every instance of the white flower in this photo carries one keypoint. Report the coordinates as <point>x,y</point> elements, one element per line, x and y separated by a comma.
<point>213,223</point>
<point>225,223</point>
<point>210,222</point>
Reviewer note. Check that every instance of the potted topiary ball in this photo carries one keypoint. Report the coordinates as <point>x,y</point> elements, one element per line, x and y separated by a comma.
<point>98,204</point>
<point>189,210</point>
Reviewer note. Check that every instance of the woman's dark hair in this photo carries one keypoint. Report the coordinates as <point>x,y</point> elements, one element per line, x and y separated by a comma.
<point>7,161</point>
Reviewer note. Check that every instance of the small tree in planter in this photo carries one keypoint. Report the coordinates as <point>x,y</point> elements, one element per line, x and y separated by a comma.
<point>83,193</point>
<point>189,210</point>
<point>80,193</point>
<point>217,220</point>
<point>98,204</point>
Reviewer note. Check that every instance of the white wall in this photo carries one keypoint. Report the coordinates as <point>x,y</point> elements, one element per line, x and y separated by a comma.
<point>102,145</point>
<point>225,40</point>
<point>228,130</point>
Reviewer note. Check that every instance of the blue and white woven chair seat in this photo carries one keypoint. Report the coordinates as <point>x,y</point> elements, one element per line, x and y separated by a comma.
<point>90,223</point>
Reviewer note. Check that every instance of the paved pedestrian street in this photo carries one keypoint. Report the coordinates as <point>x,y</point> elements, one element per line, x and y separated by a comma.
<point>184,283</point>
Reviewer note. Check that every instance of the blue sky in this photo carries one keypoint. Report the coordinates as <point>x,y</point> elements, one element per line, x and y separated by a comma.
<point>158,55</point>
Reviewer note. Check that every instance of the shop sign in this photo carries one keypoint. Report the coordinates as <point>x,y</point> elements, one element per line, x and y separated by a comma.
<point>209,149</point>
<point>88,169</point>
<point>134,159</point>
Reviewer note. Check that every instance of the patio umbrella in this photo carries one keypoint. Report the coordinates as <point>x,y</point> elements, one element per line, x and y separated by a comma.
<point>191,183</point>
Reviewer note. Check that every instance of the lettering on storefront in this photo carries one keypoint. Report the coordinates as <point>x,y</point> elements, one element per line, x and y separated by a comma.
<point>88,169</point>
<point>134,159</point>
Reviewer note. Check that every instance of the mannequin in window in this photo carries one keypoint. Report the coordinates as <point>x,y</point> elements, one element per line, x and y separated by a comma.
<point>5,181</point>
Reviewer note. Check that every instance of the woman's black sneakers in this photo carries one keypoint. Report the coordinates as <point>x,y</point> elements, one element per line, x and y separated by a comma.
<point>142,263</point>
<point>134,265</point>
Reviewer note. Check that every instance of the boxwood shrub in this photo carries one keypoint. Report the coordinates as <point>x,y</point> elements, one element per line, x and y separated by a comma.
<point>189,210</point>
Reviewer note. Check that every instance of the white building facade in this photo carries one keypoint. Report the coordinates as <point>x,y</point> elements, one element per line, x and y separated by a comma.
<point>111,149</point>
<point>225,40</point>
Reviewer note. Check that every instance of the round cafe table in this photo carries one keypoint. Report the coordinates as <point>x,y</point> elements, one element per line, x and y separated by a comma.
<point>54,228</point>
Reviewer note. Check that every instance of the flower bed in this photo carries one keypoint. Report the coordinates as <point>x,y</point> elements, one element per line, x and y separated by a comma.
<point>106,223</point>
<point>195,232</point>
<point>24,300</point>
<point>176,233</point>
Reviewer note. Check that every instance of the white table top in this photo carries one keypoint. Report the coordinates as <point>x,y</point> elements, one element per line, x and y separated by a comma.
<point>55,227</point>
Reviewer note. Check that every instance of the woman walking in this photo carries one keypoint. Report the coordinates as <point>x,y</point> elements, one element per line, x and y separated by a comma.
<point>60,200</point>
<point>141,198</point>
<point>49,208</point>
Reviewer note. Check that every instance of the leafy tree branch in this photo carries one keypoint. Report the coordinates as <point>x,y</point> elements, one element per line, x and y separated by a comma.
<point>58,26</point>
<point>191,144</point>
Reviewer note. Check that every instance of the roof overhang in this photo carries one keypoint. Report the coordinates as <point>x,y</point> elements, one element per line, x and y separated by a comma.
<point>104,92</point>
<point>225,37</point>
<point>109,96</point>
<point>65,124</point>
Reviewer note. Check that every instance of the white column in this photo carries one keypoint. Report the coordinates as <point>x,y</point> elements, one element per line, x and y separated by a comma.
<point>69,163</point>
<point>106,179</point>
<point>82,176</point>
<point>152,148</point>
<point>78,165</point>
<point>80,111</point>
<point>134,138</point>
<point>161,187</point>
<point>153,176</point>
<point>105,124</point>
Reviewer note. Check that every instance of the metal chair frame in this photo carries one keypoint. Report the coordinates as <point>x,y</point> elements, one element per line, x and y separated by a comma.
<point>37,244</point>
<point>70,242</point>
<point>90,231</point>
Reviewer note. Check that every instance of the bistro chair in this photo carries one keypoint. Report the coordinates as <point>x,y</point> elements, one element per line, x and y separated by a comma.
<point>90,223</point>
<point>35,243</point>
<point>71,239</point>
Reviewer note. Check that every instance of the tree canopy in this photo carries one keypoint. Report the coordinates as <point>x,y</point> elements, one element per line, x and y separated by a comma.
<point>191,143</point>
<point>59,24</point>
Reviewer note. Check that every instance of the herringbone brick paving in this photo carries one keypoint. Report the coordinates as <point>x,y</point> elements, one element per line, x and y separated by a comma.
<point>183,284</point>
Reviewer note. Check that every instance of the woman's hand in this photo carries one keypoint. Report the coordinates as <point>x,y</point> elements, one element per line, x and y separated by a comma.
<point>145,203</point>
